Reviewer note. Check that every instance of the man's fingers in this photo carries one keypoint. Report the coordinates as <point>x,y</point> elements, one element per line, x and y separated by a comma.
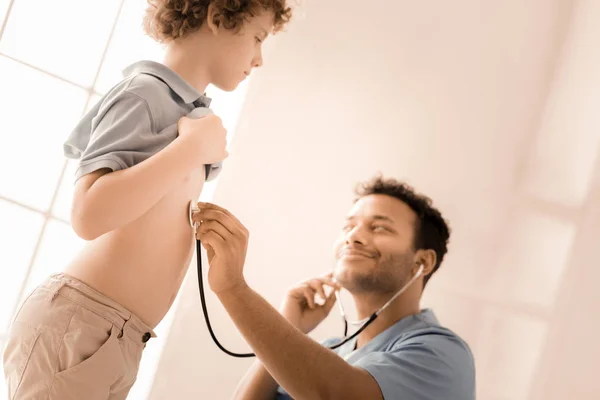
<point>324,280</point>
<point>330,302</point>
<point>317,286</point>
<point>214,207</point>
<point>334,285</point>
<point>216,226</point>
<point>211,239</point>
<point>329,279</point>
<point>210,252</point>
<point>313,287</point>
<point>309,295</point>
<point>215,215</point>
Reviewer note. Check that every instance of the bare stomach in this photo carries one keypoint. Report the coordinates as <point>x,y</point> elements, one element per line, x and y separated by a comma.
<point>142,265</point>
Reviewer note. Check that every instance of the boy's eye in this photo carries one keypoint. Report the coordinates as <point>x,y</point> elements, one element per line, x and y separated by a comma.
<point>258,40</point>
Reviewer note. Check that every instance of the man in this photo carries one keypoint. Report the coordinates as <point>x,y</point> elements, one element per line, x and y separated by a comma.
<point>394,239</point>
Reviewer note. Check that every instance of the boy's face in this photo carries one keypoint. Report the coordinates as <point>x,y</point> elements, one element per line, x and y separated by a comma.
<point>237,53</point>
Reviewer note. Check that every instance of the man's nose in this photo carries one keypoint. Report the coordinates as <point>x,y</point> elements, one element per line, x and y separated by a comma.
<point>356,235</point>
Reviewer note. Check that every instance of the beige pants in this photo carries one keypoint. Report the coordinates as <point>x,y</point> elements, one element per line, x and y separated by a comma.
<point>69,341</point>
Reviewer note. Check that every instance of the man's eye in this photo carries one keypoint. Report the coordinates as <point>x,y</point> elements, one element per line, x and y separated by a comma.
<point>380,228</point>
<point>258,40</point>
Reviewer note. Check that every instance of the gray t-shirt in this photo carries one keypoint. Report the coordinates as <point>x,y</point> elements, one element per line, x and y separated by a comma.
<point>414,359</point>
<point>135,120</point>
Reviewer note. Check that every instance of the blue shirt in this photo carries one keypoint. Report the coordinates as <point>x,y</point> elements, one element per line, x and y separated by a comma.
<point>414,359</point>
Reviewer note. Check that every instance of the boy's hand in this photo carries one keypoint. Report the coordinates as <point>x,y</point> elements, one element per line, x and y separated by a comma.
<point>208,135</point>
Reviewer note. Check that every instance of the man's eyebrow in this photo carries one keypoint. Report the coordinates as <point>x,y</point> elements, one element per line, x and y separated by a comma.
<point>383,218</point>
<point>374,217</point>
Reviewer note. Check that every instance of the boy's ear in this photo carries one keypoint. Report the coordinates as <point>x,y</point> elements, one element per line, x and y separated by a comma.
<point>213,19</point>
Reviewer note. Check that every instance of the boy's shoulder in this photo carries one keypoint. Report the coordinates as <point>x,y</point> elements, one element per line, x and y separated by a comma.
<point>149,88</point>
<point>165,95</point>
<point>155,82</point>
<point>162,103</point>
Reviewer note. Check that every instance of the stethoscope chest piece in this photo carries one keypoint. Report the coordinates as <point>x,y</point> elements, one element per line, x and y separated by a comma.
<point>191,210</point>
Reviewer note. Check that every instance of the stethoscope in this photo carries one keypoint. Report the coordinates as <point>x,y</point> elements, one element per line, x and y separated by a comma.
<point>364,323</point>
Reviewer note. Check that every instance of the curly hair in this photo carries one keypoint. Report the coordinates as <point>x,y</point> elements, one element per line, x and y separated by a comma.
<point>167,20</point>
<point>431,231</point>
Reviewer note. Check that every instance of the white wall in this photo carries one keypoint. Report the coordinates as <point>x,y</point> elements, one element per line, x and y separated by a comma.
<point>472,102</point>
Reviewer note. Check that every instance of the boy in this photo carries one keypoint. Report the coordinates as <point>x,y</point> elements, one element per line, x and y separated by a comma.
<point>80,335</point>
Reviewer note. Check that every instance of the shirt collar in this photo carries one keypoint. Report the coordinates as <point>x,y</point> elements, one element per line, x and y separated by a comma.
<point>404,325</point>
<point>177,84</point>
<point>407,324</point>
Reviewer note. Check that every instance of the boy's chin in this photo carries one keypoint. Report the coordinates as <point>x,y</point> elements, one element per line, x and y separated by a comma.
<point>227,86</point>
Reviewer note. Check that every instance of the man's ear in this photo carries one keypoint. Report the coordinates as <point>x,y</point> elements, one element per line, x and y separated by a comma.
<point>428,259</point>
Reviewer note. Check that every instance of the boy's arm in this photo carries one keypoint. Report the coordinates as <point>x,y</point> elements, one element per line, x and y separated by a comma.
<point>127,166</point>
<point>257,384</point>
<point>105,200</point>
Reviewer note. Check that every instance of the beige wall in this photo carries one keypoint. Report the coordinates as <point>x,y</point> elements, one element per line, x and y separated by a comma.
<point>489,108</point>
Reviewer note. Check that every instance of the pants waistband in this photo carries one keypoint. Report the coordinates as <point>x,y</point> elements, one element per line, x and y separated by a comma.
<point>94,301</point>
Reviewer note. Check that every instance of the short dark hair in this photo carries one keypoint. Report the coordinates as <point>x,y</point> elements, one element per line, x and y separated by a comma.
<point>431,231</point>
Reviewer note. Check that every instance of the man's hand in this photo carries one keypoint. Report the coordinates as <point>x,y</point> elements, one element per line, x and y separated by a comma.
<point>300,307</point>
<point>226,241</point>
<point>305,368</point>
